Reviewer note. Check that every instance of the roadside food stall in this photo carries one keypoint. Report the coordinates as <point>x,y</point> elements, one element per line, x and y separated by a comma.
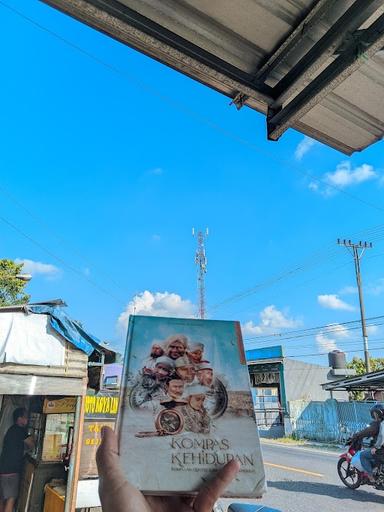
<point>44,362</point>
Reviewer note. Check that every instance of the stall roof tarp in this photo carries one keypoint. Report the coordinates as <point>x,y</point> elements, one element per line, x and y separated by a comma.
<point>313,65</point>
<point>32,334</point>
<point>29,339</point>
<point>71,330</point>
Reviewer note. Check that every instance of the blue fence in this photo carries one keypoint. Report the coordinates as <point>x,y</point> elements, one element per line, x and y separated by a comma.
<point>330,421</point>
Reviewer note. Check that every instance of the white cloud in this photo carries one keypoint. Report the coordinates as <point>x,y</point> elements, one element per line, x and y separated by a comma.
<point>271,319</point>
<point>344,176</point>
<point>303,147</point>
<point>313,186</point>
<point>37,267</point>
<point>348,290</point>
<point>325,343</point>
<point>157,171</point>
<point>251,329</point>
<point>376,288</point>
<point>327,338</point>
<point>156,304</point>
<point>332,301</point>
<point>372,329</point>
<point>337,330</point>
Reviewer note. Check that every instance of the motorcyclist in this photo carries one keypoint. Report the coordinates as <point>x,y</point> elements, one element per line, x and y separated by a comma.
<point>370,456</point>
<point>372,431</point>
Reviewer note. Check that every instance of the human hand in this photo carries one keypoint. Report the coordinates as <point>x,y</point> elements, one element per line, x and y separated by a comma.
<point>373,451</point>
<point>118,495</point>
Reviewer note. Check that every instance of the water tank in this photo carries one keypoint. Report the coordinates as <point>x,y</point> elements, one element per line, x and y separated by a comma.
<point>337,359</point>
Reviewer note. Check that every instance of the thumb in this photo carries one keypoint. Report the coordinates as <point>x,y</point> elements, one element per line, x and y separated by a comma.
<point>212,491</point>
<point>108,463</point>
<point>116,494</point>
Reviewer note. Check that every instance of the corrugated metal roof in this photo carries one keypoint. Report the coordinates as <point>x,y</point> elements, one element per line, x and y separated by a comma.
<point>317,66</point>
<point>369,381</point>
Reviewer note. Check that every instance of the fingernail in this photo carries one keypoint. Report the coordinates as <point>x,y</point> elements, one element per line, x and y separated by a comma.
<point>237,464</point>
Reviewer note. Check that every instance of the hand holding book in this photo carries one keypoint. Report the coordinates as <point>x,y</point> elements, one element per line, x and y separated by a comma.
<point>118,495</point>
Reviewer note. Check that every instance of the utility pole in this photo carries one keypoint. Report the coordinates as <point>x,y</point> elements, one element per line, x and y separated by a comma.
<point>357,251</point>
<point>201,262</point>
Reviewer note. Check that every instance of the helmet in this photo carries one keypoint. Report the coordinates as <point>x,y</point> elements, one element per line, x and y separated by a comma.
<point>378,411</point>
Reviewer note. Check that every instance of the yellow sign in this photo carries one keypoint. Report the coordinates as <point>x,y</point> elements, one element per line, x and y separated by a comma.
<point>101,405</point>
<point>59,406</point>
<point>91,441</point>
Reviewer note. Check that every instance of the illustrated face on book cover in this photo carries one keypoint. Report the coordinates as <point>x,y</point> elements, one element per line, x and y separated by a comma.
<point>186,400</point>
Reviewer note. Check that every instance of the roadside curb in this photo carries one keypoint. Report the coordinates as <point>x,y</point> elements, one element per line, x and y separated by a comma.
<point>317,448</point>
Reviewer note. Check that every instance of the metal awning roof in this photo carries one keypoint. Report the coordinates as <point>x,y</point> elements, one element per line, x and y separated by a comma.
<point>373,381</point>
<point>316,66</point>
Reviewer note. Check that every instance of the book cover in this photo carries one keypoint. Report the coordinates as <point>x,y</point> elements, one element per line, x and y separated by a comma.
<point>186,407</point>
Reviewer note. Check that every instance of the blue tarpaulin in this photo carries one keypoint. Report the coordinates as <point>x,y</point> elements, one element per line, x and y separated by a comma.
<point>68,328</point>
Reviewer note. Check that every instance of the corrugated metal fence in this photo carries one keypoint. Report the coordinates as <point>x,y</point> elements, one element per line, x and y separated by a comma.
<point>328,421</point>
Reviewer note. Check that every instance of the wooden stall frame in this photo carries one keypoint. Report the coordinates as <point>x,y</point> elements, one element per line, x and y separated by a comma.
<point>74,467</point>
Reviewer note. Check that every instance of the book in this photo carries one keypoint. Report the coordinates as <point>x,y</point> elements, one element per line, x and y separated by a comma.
<point>186,407</point>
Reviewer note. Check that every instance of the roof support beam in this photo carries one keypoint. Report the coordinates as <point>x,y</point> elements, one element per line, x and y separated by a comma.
<point>311,19</point>
<point>312,61</point>
<point>128,26</point>
<point>362,46</point>
<point>373,380</point>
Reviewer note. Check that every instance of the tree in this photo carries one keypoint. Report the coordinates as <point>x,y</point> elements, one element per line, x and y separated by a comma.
<point>377,363</point>
<point>11,288</point>
<point>358,364</point>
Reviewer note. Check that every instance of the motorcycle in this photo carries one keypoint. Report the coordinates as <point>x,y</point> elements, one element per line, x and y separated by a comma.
<point>351,476</point>
<point>145,387</point>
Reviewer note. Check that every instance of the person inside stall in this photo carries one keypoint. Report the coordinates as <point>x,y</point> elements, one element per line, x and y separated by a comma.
<point>16,441</point>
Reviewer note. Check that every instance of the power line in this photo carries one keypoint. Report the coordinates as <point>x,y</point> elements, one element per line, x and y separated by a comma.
<point>61,260</point>
<point>272,299</point>
<point>326,353</point>
<point>267,283</point>
<point>54,233</point>
<point>207,121</point>
<point>310,344</point>
<point>316,258</point>
<point>317,328</point>
<point>299,285</point>
<point>186,110</point>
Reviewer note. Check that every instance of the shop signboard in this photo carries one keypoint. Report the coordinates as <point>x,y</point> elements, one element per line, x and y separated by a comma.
<point>60,405</point>
<point>101,406</point>
<point>100,411</point>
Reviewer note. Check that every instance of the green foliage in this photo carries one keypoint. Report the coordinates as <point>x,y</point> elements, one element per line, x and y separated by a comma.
<point>11,288</point>
<point>358,364</point>
<point>377,363</point>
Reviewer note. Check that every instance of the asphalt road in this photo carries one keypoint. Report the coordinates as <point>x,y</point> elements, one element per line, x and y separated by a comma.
<point>306,480</point>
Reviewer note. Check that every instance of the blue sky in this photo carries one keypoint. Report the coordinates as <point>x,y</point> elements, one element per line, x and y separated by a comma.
<point>108,161</point>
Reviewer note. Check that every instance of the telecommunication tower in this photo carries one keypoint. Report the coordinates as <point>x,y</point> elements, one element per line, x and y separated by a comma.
<point>201,262</point>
